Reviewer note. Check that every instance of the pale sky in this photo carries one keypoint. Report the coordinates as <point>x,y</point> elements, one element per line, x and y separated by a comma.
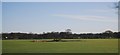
<point>0,17</point>
<point>41,17</point>
<point>60,0</point>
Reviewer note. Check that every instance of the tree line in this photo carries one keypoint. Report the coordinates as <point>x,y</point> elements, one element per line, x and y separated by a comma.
<point>61,35</point>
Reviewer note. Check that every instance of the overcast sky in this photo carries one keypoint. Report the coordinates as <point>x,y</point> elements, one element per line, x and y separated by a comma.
<point>41,17</point>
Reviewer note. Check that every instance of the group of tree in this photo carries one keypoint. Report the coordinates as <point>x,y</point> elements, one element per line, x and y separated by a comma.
<point>61,35</point>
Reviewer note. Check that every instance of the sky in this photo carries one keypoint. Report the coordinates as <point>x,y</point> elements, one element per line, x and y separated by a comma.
<point>60,0</point>
<point>0,17</point>
<point>38,17</point>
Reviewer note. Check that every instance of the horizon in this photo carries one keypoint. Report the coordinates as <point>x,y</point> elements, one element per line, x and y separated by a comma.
<point>57,31</point>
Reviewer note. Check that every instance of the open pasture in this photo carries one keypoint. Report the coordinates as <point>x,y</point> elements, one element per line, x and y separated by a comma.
<point>82,46</point>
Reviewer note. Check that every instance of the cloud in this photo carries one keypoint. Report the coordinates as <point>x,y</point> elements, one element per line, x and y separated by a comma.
<point>88,18</point>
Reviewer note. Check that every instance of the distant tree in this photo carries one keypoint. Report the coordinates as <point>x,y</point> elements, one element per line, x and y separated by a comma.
<point>108,31</point>
<point>108,34</point>
<point>56,36</point>
<point>68,31</point>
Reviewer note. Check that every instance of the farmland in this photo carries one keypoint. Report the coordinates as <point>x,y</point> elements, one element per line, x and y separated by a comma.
<point>82,46</point>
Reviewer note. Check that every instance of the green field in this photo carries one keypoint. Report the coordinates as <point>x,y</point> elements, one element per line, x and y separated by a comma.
<point>83,46</point>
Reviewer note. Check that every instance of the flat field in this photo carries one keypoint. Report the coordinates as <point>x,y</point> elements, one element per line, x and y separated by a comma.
<point>82,46</point>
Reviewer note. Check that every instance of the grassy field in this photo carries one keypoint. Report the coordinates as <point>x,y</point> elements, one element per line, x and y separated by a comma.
<point>83,46</point>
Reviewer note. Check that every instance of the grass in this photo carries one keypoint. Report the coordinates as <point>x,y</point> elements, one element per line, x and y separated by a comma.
<point>0,46</point>
<point>83,46</point>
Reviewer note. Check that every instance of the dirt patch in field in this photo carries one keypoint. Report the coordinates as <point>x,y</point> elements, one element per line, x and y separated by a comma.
<point>56,41</point>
